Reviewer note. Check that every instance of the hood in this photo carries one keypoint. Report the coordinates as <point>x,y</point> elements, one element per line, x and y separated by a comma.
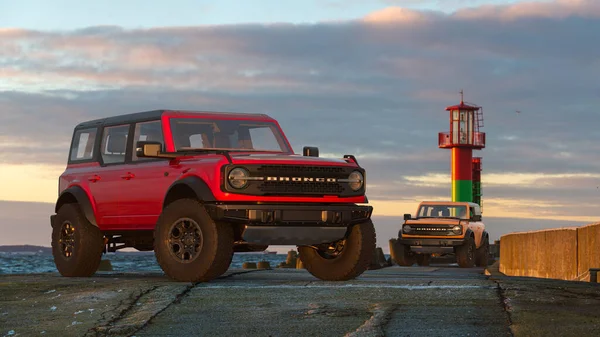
<point>432,221</point>
<point>290,159</point>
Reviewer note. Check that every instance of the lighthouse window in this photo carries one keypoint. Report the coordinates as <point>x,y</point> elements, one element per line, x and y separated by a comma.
<point>463,128</point>
<point>454,130</point>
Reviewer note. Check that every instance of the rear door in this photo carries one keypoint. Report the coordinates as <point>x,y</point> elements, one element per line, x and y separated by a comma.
<point>107,184</point>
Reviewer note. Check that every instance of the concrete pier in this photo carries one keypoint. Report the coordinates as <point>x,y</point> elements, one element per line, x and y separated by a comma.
<point>393,301</point>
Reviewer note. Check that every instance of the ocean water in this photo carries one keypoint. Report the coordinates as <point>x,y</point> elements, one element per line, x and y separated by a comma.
<point>38,262</point>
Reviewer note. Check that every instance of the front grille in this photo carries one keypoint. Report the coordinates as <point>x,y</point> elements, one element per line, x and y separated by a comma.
<point>285,187</point>
<point>292,187</point>
<point>431,230</point>
<point>297,180</point>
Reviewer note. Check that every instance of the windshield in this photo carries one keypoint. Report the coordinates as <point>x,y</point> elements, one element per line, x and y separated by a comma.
<point>442,211</point>
<point>201,133</point>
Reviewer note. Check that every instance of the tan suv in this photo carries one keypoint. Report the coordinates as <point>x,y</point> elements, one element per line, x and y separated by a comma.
<point>442,228</point>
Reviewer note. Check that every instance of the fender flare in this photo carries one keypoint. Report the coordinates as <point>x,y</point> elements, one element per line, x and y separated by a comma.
<point>468,233</point>
<point>196,184</point>
<point>485,236</point>
<point>82,199</point>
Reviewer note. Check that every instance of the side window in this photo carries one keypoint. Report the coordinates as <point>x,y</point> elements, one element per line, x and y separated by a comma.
<point>82,147</point>
<point>147,131</point>
<point>114,144</point>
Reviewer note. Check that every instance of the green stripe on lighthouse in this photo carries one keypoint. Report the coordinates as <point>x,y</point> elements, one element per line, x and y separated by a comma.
<point>462,190</point>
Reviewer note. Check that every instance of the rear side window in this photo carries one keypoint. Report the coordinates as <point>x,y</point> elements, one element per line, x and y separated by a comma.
<point>82,148</point>
<point>114,144</point>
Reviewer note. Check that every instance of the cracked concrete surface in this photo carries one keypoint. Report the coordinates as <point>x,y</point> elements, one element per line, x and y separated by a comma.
<point>395,301</point>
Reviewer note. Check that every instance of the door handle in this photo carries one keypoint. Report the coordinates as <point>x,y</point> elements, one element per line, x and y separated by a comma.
<point>128,176</point>
<point>94,178</point>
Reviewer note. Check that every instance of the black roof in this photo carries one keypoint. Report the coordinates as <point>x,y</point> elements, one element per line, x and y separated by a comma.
<point>150,115</point>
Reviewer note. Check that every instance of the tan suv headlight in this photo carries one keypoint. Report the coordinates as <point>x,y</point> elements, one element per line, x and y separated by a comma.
<point>457,229</point>
<point>238,178</point>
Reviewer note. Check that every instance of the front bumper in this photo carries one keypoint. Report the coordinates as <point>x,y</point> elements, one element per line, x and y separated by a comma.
<point>419,245</point>
<point>291,224</point>
<point>290,214</point>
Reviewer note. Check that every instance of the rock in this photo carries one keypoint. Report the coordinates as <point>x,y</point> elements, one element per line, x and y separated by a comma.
<point>249,265</point>
<point>105,265</point>
<point>264,265</point>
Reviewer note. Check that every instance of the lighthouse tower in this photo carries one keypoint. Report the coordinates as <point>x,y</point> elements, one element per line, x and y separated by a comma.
<point>466,121</point>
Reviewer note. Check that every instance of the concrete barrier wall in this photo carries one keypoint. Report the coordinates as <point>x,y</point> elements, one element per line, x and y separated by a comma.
<point>549,253</point>
<point>588,238</point>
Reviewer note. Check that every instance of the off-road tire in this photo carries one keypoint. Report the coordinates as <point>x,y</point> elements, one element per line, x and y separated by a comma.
<point>423,259</point>
<point>402,255</point>
<point>482,254</point>
<point>351,262</point>
<point>465,254</point>
<point>87,240</point>
<point>214,255</point>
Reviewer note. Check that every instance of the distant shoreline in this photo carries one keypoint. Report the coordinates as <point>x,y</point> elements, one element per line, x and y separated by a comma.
<point>25,249</point>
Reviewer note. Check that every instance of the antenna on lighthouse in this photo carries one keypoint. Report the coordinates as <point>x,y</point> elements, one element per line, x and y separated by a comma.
<point>461,96</point>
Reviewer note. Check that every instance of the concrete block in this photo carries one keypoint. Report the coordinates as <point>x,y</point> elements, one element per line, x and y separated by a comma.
<point>588,253</point>
<point>551,253</point>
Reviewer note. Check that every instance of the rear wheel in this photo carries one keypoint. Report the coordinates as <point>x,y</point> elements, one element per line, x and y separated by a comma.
<point>189,246</point>
<point>402,254</point>
<point>465,254</point>
<point>423,259</point>
<point>77,245</point>
<point>482,253</point>
<point>342,260</point>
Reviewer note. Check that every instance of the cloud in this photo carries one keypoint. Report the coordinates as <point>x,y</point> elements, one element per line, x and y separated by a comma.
<point>395,14</point>
<point>375,87</point>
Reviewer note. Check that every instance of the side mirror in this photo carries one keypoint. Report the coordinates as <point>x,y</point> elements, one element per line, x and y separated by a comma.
<point>148,149</point>
<point>310,151</point>
<point>407,216</point>
<point>477,217</point>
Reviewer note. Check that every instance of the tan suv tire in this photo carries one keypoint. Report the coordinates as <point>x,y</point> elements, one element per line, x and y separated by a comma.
<point>465,254</point>
<point>423,259</point>
<point>402,254</point>
<point>77,245</point>
<point>348,262</point>
<point>189,246</point>
<point>482,254</point>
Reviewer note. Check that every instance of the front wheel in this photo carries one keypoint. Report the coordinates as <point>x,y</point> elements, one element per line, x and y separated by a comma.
<point>77,245</point>
<point>402,254</point>
<point>482,254</point>
<point>343,260</point>
<point>465,254</point>
<point>423,259</point>
<point>189,246</point>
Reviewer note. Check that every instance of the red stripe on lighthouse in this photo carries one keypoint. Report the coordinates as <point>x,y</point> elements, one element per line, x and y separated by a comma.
<point>462,163</point>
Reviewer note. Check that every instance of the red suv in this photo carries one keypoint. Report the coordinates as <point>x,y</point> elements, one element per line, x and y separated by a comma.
<point>196,187</point>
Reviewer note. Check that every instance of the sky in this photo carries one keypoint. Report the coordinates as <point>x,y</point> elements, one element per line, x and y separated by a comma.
<point>369,78</point>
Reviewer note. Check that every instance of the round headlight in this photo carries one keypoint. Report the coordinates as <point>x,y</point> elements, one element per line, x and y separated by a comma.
<point>407,229</point>
<point>356,180</point>
<point>457,229</point>
<point>238,178</point>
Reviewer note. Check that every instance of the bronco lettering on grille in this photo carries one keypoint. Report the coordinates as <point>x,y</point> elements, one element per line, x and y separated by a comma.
<point>303,179</point>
